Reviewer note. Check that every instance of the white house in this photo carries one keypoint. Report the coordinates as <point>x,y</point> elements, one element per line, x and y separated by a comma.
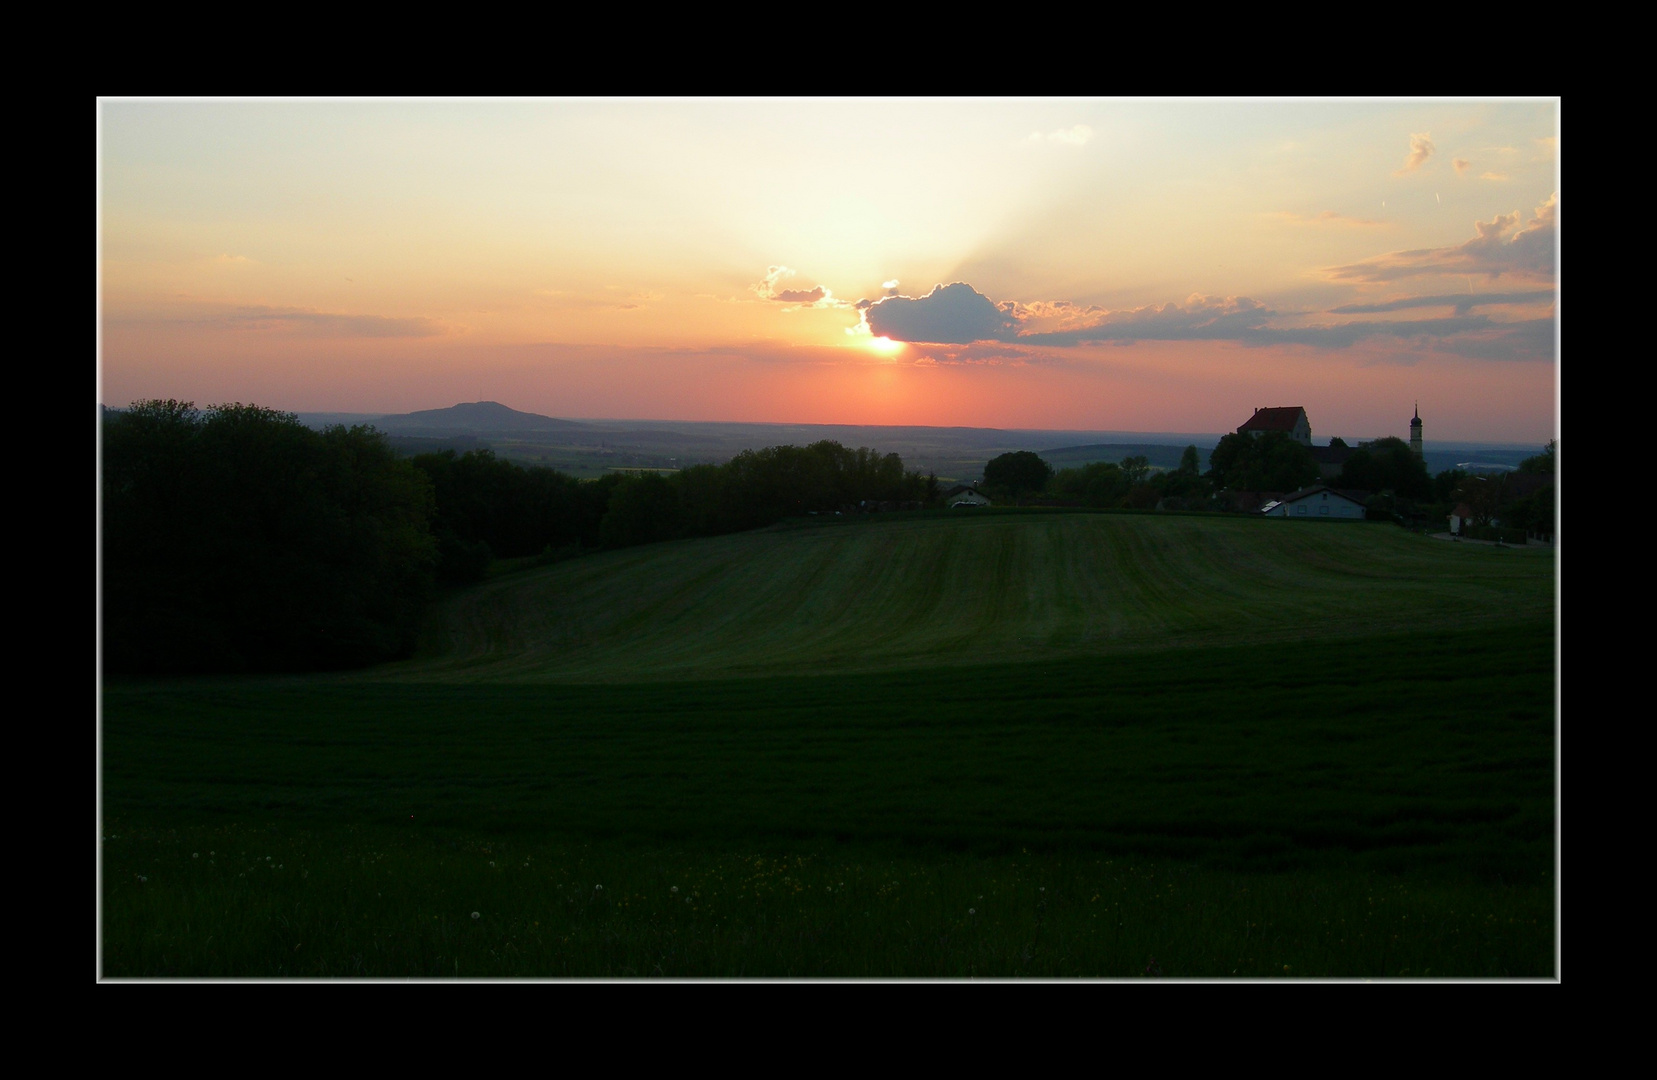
<point>1317,501</point>
<point>964,495</point>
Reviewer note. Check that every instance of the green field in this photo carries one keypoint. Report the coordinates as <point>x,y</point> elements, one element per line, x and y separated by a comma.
<point>869,596</point>
<point>1065,744</point>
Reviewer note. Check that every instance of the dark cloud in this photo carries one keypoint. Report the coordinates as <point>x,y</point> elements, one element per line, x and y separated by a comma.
<point>1200,318</point>
<point>1532,339</point>
<point>1344,335</point>
<point>1460,301</point>
<point>953,314</point>
<point>1502,246</point>
<point>801,296</point>
<point>991,332</point>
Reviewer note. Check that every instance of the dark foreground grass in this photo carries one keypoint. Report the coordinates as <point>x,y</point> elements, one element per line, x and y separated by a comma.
<point>1367,808</point>
<point>233,901</point>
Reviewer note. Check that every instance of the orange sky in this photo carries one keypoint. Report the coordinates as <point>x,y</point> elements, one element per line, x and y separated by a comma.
<point>1110,264</point>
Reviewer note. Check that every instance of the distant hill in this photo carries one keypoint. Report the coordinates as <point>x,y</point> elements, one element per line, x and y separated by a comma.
<point>476,416</point>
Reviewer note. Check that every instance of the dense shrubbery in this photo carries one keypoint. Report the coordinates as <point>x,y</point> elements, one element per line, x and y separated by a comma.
<point>1387,465</point>
<point>488,508</point>
<point>519,511</point>
<point>1132,485</point>
<point>1273,461</point>
<point>238,539</point>
<point>1098,484</point>
<point>758,488</point>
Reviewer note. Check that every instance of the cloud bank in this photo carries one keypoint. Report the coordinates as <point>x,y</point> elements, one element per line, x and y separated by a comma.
<point>958,314</point>
<point>1502,246</point>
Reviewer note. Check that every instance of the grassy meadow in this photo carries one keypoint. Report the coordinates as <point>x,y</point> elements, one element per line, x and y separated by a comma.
<point>1001,746</point>
<point>982,587</point>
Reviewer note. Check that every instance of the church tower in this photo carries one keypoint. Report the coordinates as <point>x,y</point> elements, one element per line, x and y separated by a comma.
<point>1415,431</point>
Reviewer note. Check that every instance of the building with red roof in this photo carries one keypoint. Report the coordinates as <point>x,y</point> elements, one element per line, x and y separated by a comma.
<point>1291,420</point>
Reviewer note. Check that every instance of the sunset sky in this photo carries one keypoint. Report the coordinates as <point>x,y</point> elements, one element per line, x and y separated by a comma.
<point>1097,264</point>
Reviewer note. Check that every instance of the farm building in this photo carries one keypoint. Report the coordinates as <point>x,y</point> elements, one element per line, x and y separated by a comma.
<point>1317,501</point>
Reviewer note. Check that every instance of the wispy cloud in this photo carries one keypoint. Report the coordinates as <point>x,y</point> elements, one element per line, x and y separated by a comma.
<point>1326,218</point>
<point>1502,246</point>
<point>1461,165</point>
<point>1077,135</point>
<point>1459,301</point>
<point>604,301</point>
<point>1421,148</point>
<point>816,296</point>
<point>322,323</point>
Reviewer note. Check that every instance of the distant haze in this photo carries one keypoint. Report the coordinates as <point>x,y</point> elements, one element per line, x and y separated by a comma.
<point>592,447</point>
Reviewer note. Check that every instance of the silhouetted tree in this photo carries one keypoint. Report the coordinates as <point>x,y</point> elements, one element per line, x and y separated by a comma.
<point>1542,463</point>
<point>1017,474</point>
<point>239,539</point>
<point>1273,461</point>
<point>1100,484</point>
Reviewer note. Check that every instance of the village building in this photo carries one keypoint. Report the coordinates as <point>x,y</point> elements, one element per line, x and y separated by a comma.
<point>1318,501</point>
<point>1415,435</point>
<point>964,495</point>
<point>1293,421</point>
<point>1290,420</point>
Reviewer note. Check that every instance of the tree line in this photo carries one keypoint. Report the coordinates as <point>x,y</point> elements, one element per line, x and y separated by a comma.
<point>235,538</point>
<point>1388,470</point>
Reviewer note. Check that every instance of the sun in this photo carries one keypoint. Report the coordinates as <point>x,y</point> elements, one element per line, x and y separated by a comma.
<point>883,346</point>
